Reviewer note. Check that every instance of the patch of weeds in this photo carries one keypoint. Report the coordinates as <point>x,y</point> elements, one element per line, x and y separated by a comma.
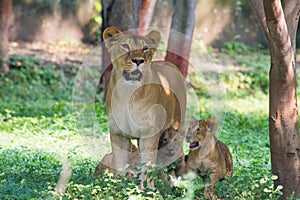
<point>241,84</point>
<point>27,173</point>
<point>234,48</point>
<point>33,89</point>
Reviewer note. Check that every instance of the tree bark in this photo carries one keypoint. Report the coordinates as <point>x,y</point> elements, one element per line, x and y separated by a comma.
<point>258,9</point>
<point>125,16</point>
<point>146,15</point>
<point>179,45</point>
<point>291,10</point>
<point>5,12</point>
<point>280,26</point>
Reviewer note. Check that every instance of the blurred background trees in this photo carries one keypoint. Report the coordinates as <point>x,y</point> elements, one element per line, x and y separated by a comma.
<point>215,21</point>
<point>5,13</point>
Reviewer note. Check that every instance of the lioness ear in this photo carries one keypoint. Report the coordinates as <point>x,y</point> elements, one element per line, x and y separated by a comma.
<point>153,39</point>
<point>212,125</point>
<point>192,120</point>
<point>110,32</point>
<point>111,35</point>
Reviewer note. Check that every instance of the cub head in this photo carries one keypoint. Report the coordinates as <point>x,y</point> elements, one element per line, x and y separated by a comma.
<point>130,54</point>
<point>170,142</point>
<point>199,130</point>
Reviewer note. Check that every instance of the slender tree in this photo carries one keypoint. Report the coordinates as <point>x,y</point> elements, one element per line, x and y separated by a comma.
<point>5,12</point>
<point>279,24</point>
<point>179,45</point>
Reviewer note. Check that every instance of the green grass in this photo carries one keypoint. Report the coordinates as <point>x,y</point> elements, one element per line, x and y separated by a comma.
<point>39,130</point>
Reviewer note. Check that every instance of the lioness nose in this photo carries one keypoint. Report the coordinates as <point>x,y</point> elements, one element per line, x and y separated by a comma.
<point>137,61</point>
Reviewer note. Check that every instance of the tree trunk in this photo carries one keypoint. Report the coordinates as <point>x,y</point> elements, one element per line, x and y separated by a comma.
<point>5,12</point>
<point>179,45</point>
<point>125,16</point>
<point>279,26</point>
<point>146,15</point>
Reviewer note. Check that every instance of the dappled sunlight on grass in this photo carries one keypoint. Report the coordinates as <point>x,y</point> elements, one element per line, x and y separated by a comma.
<point>38,128</point>
<point>258,104</point>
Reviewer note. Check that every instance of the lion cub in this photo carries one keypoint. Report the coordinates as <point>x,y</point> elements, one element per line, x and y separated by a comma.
<point>105,163</point>
<point>207,154</point>
<point>170,151</point>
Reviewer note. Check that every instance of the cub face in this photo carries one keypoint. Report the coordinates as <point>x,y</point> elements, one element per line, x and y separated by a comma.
<point>199,130</point>
<point>170,142</point>
<point>130,53</point>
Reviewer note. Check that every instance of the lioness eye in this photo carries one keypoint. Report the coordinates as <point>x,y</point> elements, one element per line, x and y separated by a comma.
<point>125,46</point>
<point>145,48</point>
<point>198,129</point>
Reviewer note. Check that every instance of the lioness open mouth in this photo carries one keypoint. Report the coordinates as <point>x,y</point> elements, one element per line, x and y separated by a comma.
<point>136,75</point>
<point>194,145</point>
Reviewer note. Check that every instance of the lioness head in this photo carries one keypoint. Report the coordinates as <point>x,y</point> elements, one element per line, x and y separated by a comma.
<point>130,54</point>
<point>199,130</point>
<point>170,142</point>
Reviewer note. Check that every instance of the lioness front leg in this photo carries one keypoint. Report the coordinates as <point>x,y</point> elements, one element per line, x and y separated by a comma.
<point>120,152</point>
<point>148,148</point>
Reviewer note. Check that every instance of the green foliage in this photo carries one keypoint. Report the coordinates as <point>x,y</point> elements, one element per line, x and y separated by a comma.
<point>98,9</point>
<point>37,127</point>
<point>234,48</point>
<point>27,173</point>
<point>249,77</point>
<point>246,83</point>
<point>98,20</point>
<point>35,89</point>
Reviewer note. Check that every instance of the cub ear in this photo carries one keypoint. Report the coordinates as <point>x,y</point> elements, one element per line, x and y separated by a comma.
<point>192,120</point>
<point>153,39</point>
<point>111,35</point>
<point>212,125</point>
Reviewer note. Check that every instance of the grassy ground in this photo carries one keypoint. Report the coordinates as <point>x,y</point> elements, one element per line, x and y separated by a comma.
<point>39,132</point>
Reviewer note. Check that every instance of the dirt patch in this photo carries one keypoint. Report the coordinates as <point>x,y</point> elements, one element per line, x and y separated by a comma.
<point>59,53</point>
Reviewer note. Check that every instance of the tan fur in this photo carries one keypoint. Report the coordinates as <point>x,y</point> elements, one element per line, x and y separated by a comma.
<point>143,97</point>
<point>170,150</point>
<point>105,163</point>
<point>211,155</point>
<point>170,144</point>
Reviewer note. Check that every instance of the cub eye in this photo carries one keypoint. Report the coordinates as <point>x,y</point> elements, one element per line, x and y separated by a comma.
<point>145,48</point>
<point>198,129</point>
<point>165,140</point>
<point>175,139</point>
<point>125,46</point>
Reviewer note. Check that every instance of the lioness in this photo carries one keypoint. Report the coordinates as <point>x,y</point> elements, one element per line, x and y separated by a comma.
<point>143,97</point>
<point>207,154</point>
